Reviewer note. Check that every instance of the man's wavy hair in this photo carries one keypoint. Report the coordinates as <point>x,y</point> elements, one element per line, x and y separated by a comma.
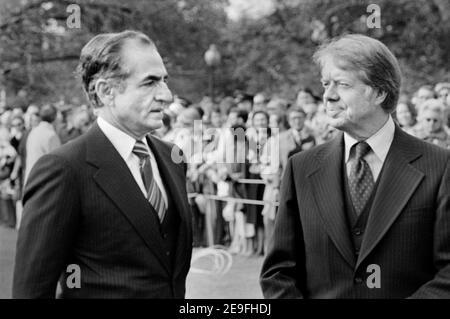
<point>374,63</point>
<point>101,58</point>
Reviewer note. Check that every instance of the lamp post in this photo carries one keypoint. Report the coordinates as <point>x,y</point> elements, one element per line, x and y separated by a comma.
<point>212,59</point>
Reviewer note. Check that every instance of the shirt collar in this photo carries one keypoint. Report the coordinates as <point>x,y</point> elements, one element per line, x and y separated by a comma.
<point>380,142</point>
<point>122,142</point>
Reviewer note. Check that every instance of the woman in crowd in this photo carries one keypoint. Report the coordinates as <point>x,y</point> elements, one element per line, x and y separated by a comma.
<point>405,116</point>
<point>258,135</point>
<point>430,126</point>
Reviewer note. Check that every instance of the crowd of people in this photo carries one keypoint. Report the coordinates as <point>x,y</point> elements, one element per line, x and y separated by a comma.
<point>25,136</point>
<point>233,200</point>
<point>274,129</point>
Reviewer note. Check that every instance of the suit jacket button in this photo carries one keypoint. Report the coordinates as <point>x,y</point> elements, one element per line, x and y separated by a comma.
<point>358,280</point>
<point>167,253</point>
<point>164,236</point>
<point>357,231</point>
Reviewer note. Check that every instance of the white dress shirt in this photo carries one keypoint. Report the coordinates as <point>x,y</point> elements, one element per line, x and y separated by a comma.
<point>124,145</point>
<point>380,142</point>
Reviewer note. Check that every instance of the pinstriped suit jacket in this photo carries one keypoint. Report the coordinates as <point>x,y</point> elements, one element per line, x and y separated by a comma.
<point>407,233</point>
<point>82,206</point>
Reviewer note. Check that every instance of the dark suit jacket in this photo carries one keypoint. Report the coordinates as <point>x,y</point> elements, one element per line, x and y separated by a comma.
<point>82,206</point>
<point>407,233</point>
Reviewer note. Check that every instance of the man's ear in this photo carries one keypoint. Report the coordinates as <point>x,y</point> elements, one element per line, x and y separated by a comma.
<point>380,96</point>
<point>104,91</point>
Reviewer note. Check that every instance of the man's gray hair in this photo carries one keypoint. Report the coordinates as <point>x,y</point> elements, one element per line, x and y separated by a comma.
<point>374,63</point>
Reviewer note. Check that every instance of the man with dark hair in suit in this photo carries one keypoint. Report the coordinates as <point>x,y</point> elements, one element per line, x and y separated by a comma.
<point>111,206</point>
<point>366,215</point>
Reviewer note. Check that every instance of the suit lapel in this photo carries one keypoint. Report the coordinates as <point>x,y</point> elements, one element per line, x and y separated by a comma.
<point>115,179</point>
<point>175,185</point>
<point>398,181</point>
<point>327,184</point>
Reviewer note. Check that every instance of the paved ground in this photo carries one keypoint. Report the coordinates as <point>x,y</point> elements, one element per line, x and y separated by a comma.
<point>240,282</point>
<point>7,248</point>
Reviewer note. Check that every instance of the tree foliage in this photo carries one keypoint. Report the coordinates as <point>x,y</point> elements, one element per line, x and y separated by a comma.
<point>39,53</point>
<point>274,54</point>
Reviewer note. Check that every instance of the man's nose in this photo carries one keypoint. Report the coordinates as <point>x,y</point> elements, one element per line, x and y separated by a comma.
<point>164,94</point>
<point>330,93</point>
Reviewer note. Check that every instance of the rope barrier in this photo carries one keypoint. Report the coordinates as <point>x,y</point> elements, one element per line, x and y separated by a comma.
<point>233,199</point>
<point>251,181</point>
<point>221,260</point>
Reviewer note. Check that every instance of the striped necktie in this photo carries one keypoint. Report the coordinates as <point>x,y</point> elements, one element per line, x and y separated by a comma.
<point>154,195</point>
<point>361,180</point>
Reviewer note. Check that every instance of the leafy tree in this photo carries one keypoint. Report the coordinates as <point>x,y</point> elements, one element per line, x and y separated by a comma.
<point>39,53</point>
<point>274,53</point>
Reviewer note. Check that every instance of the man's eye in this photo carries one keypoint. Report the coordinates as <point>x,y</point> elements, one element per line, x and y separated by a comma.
<point>325,84</point>
<point>343,84</point>
<point>148,83</point>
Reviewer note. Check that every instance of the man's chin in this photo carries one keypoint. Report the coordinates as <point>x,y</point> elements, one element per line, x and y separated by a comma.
<point>336,122</point>
<point>154,124</point>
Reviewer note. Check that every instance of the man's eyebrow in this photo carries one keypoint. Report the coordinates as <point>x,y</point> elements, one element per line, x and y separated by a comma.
<point>154,78</point>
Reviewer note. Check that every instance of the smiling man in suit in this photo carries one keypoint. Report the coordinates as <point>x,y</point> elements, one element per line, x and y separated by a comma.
<point>366,215</point>
<point>111,203</point>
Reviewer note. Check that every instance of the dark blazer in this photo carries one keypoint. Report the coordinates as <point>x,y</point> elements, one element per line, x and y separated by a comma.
<point>82,206</point>
<point>407,233</point>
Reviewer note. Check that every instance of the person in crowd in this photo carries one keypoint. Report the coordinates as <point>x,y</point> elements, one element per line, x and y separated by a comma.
<point>19,169</point>
<point>225,105</point>
<point>209,177</point>
<point>425,92</point>
<point>260,101</point>
<point>313,121</point>
<point>18,136</point>
<point>277,105</point>
<point>365,215</point>
<point>277,120</point>
<point>185,124</point>
<point>244,101</point>
<point>257,135</point>
<point>7,189</point>
<point>442,91</point>
<point>230,171</point>
<point>297,138</point>
<point>443,94</point>
<point>204,107</point>
<point>5,116</point>
<point>270,171</point>
<point>405,116</point>
<point>430,126</point>
<point>31,117</point>
<point>42,139</point>
<point>219,157</point>
<point>112,202</point>
<point>305,96</point>
<point>191,147</point>
<point>78,123</point>
<point>17,130</point>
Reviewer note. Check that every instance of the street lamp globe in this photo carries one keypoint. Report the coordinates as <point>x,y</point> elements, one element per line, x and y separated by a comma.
<point>212,56</point>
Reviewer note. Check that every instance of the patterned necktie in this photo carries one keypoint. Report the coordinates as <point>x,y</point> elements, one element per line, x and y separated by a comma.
<point>361,180</point>
<point>154,194</point>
